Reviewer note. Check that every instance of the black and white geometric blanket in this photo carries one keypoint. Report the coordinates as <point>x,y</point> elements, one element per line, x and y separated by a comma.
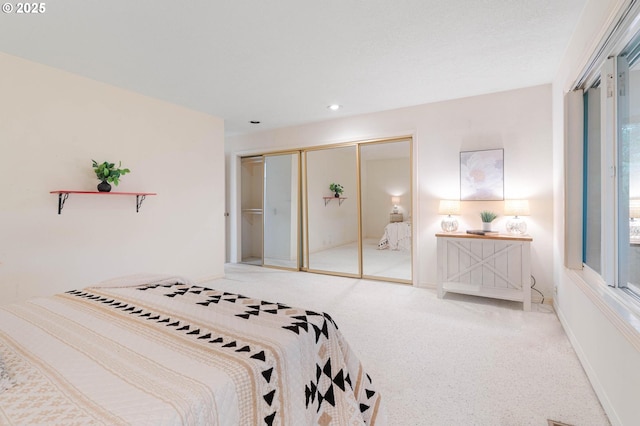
<point>178,353</point>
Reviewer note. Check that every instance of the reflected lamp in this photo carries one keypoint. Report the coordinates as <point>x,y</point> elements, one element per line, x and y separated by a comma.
<point>395,201</point>
<point>516,208</point>
<point>634,215</point>
<point>450,208</point>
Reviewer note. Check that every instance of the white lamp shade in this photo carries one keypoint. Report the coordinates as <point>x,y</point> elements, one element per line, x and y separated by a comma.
<point>449,207</point>
<point>395,200</point>
<point>516,208</point>
<point>634,208</point>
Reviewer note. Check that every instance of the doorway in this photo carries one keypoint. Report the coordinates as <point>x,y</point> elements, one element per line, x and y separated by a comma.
<point>251,178</point>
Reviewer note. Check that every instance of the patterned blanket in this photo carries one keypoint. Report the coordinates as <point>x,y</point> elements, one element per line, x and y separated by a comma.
<point>397,236</point>
<point>180,354</point>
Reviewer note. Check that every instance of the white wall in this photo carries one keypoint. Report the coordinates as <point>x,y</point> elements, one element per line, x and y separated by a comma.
<point>608,347</point>
<point>518,121</point>
<point>52,123</point>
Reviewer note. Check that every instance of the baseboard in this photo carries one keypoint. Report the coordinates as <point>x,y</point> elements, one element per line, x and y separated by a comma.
<point>427,285</point>
<point>208,278</point>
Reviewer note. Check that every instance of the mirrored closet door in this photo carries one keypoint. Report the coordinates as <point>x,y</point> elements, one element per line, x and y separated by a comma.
<point>281,210</point>
<point>385,176</point>
<point>293,217</point>
<point>332,225</point>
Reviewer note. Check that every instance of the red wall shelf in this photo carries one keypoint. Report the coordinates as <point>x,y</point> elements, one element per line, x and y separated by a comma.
<point>63,194</point>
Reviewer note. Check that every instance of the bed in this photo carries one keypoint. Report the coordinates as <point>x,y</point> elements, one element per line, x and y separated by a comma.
<point>396,236</point>
<point>165,351</point>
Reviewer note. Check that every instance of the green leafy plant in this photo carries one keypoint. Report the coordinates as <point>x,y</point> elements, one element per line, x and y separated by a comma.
<point>336,188</point>
<point>487,216</point>
<point>107,172</point>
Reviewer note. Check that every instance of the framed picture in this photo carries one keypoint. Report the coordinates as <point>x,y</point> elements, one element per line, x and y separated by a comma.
<point>482,175</point>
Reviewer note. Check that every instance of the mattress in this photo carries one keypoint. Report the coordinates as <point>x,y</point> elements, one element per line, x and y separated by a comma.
<point>175,353</point>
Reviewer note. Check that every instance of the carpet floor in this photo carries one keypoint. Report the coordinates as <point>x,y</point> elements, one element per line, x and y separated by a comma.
<point>460,360</point>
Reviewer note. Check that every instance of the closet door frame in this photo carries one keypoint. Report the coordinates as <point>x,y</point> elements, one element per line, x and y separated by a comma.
<point>302,227</point>
<point>409,140</point>
<point>358,144</point>
<point>298,209</point>
<point>306,210</point>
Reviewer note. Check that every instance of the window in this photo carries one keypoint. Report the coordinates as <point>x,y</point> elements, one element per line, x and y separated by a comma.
<point>628,167</point>
<point>611,183</point>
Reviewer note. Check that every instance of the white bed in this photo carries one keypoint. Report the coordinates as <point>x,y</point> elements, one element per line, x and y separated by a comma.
<point>169,352</point>
<point>397,236</point>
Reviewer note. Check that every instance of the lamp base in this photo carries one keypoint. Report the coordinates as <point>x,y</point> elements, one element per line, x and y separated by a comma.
<point>516,226</point>
<point>634,229</point>
<point>449,224</point>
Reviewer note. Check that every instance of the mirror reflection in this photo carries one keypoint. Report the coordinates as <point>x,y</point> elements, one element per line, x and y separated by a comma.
<point>385,170</point>
<point>332,216</point>
<point>629,267</point>
<point>281,210</point>
<point>629,172</point>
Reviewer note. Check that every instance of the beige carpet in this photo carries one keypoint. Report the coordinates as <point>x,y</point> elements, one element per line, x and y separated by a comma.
<point>457,361</point>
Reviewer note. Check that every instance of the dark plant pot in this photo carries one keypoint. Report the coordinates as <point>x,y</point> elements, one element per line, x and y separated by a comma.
<point>104,186</point>
<point>336,195</point>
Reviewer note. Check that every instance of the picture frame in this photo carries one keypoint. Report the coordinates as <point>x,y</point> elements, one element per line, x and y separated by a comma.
<point>482,175</point>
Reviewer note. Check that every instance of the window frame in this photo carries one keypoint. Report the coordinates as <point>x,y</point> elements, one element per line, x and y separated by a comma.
<point>608,167</point>
<point>602,68</point>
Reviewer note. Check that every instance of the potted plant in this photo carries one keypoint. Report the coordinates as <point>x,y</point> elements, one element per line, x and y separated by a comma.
<point>108,173</point>
<point>487,217</point>
<point>337,189</point>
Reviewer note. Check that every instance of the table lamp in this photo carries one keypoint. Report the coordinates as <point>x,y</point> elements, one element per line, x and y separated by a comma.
<point>516,208</point>
<point>450,208</point>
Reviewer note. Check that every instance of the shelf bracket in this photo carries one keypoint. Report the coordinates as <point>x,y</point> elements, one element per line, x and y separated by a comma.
<point>139,200</point>
<point>62,197</point>
<point>327,200</point>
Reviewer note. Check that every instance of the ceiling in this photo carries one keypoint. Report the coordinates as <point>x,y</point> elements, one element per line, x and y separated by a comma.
<point>282,62</point>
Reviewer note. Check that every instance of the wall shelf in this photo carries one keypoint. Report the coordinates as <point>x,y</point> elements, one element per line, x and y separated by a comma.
<point>328,199</point>
<point>64,194</point>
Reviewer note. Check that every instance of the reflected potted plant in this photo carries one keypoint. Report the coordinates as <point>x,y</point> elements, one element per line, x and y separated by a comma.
<point>487,217</point>
<point>337,189</point>
<point>107,174</point>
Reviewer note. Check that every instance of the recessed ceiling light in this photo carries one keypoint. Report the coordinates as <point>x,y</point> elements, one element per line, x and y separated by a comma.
<point>254,122</point>
<point>334,107</point>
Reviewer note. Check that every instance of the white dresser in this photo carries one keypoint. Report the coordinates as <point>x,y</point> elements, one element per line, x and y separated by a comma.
<point>496,265</point>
